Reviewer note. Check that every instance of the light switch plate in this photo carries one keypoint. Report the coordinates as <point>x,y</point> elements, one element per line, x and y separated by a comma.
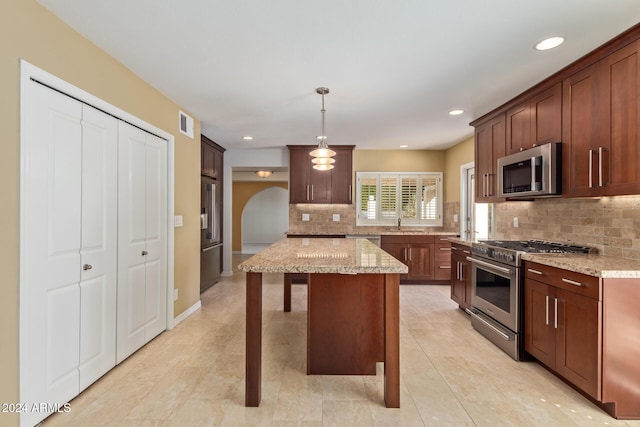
<point>516,223</point>
<point>175,294</point>
<point>177,221</point>
<point>305,217</point>
<point>455,217</point>
<point>336,217</point>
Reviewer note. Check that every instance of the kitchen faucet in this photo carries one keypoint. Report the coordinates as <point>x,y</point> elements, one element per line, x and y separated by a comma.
<point>399,221</point>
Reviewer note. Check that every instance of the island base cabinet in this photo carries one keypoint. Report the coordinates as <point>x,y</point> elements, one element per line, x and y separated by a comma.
<point>345,338</point>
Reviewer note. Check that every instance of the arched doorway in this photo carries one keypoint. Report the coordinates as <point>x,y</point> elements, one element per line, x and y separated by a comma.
<point>265,219</point>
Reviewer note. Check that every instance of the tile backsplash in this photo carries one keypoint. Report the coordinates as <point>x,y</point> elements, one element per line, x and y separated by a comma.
<point>321,219</point>
<point>611,224</point>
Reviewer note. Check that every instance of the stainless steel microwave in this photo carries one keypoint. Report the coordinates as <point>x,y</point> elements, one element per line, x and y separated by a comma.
<point>531,173</point>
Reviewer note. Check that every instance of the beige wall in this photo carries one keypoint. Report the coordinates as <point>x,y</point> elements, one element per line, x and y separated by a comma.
<point>398,161</point>
<point>32,33</point>
<point>455,157</point>
<point>241,193</point>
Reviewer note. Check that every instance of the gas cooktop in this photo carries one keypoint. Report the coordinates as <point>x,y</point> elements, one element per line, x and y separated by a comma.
<point>510,251</point>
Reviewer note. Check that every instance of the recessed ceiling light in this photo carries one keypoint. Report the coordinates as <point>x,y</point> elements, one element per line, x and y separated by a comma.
<point>404,146</point>
<point>455,112</point>
<point>247,138</point>
<point>549,43</point>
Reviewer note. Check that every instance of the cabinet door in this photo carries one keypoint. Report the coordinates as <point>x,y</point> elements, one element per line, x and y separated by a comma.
<point>489,146</point>
<point>518,135</point>
<point>457,283</point>
<point>320,184</point>
<point>620,100</point>
<point>208,159</point>
<point>299,186</point>
<point>465,274</point>
<point>578,356</point>
<point>420,261</point>
<point>342,176</point>
<point>399,251</point>
<point>546,116</point>
<point>580,124</point>
<point>539,320</point>
<point>442,261</point>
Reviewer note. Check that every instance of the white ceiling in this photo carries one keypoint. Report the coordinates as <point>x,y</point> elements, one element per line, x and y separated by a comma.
<point>394,68</point>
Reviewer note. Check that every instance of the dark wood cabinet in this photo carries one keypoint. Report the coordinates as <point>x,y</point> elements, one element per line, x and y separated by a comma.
<point>562,324</point>
<point>580,115</point>
<point>489,147</point>
<point>460,275</point>
<point>601,113</point>
<point>211,158</point>
<point>308,185</point>
<point>427,256</point>
<point>535,121</point>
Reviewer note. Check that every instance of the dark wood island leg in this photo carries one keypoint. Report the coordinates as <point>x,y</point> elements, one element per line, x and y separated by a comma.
<point>253,365</point>
<point>287,292</point>
<point>392,340</point>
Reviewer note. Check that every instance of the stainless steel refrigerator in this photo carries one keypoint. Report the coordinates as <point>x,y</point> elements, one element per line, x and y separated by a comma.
<point>210,233</point>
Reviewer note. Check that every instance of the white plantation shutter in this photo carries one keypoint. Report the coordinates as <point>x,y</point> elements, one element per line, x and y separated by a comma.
<point>382,198</point>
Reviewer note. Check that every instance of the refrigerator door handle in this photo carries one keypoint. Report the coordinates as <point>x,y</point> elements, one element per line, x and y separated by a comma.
<point>215,233</point>
<point>211,247</point>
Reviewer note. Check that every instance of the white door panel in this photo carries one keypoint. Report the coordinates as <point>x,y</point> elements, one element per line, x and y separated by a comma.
<point>49,330</point>
<point>142,239</point>
<point>99,244</point>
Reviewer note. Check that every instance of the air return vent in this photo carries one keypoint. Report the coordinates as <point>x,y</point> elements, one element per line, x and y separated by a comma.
<point>185,124</point>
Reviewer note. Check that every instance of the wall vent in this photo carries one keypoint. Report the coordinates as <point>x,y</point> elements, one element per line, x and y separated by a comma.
<point>185,124</point>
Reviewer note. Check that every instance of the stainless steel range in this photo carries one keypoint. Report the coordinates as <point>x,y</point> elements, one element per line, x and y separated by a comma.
<point>496,288</point>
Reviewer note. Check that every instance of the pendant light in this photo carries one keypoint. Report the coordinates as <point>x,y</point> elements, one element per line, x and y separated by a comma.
<point>322,156</point>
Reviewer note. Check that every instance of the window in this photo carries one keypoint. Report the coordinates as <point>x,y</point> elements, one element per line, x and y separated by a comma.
<point>383,197</point>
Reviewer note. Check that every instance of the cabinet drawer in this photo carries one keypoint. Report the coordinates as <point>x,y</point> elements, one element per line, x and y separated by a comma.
<point>582,284</point>
<point>407,238</point>
<point>461,250</point>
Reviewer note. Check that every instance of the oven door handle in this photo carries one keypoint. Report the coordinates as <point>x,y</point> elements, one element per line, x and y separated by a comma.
<point>489,265</point>
<point>489,325</point>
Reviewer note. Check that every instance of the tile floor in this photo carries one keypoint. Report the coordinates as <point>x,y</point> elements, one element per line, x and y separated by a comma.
<point>450,375</point>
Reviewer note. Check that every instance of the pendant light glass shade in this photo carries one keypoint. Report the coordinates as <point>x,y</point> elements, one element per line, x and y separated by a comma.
<point>323,167</point>
<point>323,152</point>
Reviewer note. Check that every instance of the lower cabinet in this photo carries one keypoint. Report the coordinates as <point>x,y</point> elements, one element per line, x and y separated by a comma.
<point>460,275</point>
<point>427,260</point>
<point>582,328</point>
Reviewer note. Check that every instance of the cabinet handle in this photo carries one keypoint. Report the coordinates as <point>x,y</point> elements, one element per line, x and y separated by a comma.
<point>350,191</point>
<point>531,270</point>
<point>410,254</point>
<point>87,267</point>
<point>445,249</point>
<point>546,314</point>
<point>591,152</point>
<point>445,267</point>
<point>572,282</point>
<point>312,192</point>
<point>600,151</point>
<point>307,191</point>
<point>144,253</point>
<point>486,185</point>
<point>555,313</point>
<point>404,253</point>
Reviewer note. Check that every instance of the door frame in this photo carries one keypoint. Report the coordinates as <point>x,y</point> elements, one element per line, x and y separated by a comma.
<point>464,208</point>
<point>30,72</point>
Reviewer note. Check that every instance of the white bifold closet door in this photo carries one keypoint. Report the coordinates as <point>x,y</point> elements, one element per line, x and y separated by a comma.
<point>69,236</point>
<point>142,239</point>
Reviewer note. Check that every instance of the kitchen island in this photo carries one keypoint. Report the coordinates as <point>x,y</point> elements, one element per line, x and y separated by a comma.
<point>353,313</point>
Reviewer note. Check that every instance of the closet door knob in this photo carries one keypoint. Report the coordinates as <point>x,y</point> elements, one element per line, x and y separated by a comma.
<point>144,253</point>
<point>87,267</point>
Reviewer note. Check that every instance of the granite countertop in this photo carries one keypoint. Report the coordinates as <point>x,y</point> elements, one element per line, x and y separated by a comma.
<point>460,241</point>
<point>591,264</point>
<point>369,232</point>
<point>321,255</point>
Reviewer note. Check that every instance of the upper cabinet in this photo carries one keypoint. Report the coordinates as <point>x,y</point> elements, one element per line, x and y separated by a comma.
<point>308,185</point>
<point>592,106</point>
<point>601,111</point>
<point>535,121</point>
<point>489,147</point>
<point>211,158</point>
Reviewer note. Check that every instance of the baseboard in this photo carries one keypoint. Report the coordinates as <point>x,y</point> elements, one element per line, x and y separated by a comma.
<point>188,312</point>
